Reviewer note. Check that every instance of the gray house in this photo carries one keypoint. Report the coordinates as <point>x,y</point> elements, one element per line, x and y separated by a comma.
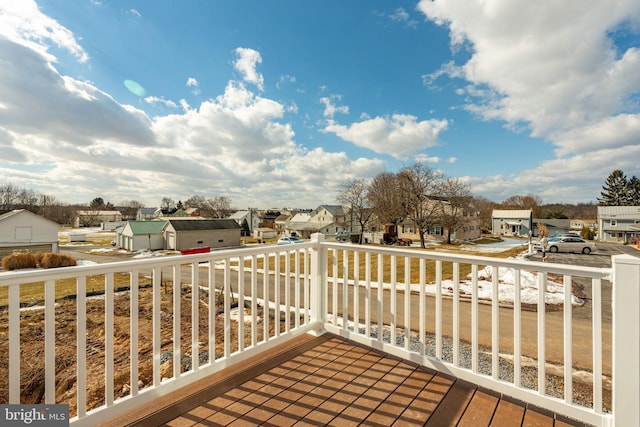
<point>139,235</point>
<point>618,223</point>
<point>181,234</point>
<point>553,225</point>
<point>512,222</point>
<point>24,230</point>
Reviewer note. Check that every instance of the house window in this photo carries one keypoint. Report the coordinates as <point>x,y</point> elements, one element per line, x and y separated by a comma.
<point>408,229</point>
<point>220,241</point>
<point>613,222</point>
<point>199,242</point>
<point>436,231</point>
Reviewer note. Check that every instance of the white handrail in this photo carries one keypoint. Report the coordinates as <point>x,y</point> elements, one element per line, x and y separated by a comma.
<point>309,290</point>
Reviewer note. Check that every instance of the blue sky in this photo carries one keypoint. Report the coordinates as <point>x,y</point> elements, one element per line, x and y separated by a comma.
<point>276,104</point>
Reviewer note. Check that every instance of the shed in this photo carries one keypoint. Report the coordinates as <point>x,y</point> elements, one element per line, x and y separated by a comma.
<point>23,230</point>
<point>139,235</point>
<point>180,234</point>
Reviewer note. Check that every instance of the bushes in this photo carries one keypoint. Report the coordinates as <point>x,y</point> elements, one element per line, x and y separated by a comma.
<point>19,261</point>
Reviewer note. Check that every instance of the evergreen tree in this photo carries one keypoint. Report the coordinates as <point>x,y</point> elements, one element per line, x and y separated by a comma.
<point>633,191</point>
<point>615,190</point>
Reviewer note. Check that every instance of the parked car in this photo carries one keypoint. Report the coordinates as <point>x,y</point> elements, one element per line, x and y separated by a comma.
<point>566,234</point>
<point>288,240</point>
<point>567,244</point>
<point>343,236</point>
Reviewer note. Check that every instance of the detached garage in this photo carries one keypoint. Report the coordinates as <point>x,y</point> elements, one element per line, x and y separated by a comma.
<point>141,235</point>
<point>24,230</point>
<point>183,234</point>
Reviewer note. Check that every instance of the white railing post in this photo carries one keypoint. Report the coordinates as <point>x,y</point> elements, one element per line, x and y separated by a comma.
<point>626,340</point>
<point>318,311</point>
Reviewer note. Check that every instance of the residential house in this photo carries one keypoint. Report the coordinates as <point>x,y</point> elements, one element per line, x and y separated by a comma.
<point>619,224</point>
<point>578,224</point>
<point>264,233</point>
<point>180,234</point>
<point>280,224</point>
<point>325,219</point>
<point>512,222</point>
<point>553,225</point>
<point>23,230</point>
<point>147,214</point>
<point>140,235</point>
<point>468,230</point>
<point>93,218</point>
<point>251,216</point>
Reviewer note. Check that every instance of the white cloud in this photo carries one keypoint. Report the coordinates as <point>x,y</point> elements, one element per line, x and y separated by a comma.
<point>160,100</point>
<point>400,135</point>
<point>551,65</point>
<point>247,60</point>
<point>330,109</point>
<point>21,21</point>
<point>550,68</point>
<point>80,143</point>
<point>287,78</point>
<point>402,16</point>
<point>193,83</point>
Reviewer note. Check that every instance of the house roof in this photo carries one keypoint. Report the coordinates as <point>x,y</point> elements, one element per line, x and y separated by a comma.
<point>239,214</point>
<point>148,211</point>
<point>147,227</point>
<point>511,213</point>
<point>301,217</point>
<point>332,209</point>
<point>619,212</point>
<point>15,212</point>
<point>203,224</point>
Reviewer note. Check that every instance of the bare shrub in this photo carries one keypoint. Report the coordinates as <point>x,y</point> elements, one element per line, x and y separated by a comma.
<point>18,261</point>
<point>51,260</point>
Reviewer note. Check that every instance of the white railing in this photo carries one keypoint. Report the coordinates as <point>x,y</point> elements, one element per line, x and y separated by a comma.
<point>436,309</point>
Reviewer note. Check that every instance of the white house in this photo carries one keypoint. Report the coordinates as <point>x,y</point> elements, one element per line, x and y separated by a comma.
<point>512,222</point>
<point>618,223</point>
<point>24,230</point>
<point>251,216</point>
<point>325,219</point>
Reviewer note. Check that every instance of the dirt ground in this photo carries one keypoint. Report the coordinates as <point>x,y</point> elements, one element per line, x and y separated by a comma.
<point>32,345</point>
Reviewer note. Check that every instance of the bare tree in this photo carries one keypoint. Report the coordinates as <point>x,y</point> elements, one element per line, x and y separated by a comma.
<point>167,204</point>
<point>418,184</point>
<point>528,201</point>
<point>386,199</point>
<point>195,201</point>
<point>130,208</point>
<point>455,197</point>
<point>485,207</point>
<point>216,207</point>
<point>353,195</point>
<point>8,196</point>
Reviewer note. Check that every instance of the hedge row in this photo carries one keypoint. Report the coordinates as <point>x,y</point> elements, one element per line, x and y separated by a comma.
<point>19,261</point>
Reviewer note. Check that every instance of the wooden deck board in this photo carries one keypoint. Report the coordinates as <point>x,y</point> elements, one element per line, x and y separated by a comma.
<point>317,381</point>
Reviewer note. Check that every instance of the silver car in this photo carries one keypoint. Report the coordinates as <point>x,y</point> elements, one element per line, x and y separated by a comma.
<point>571,244</point>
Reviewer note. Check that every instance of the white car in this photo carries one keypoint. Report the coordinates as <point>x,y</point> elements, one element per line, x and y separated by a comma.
<point>288,240</point>
<point>568,244</point>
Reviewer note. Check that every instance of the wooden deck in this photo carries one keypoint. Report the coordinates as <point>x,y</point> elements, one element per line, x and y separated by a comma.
<point>327,380</point>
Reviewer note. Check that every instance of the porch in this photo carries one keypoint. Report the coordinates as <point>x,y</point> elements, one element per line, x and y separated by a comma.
<point>329,380</point>
<point>223,325</point>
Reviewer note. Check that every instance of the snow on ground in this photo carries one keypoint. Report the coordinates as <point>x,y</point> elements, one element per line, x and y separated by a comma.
<point>554,294</point>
